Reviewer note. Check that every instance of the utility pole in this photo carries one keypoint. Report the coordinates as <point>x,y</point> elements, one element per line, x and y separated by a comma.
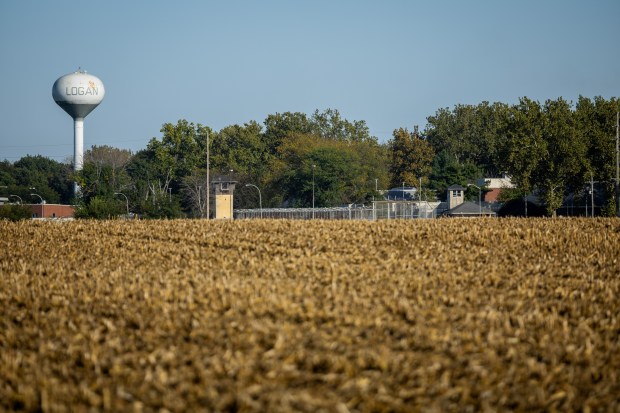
<point>420,191</point>
<point>617,165</point>
<point>208,183</point>
<point>592,192</point>
<point>313,167</point>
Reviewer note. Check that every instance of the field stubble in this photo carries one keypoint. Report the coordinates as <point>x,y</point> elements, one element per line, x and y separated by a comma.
<point>334,316</point>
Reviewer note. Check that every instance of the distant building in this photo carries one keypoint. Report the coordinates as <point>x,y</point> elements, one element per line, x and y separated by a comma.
<point>50,210</point>
<point>406,193</point>
<point>494,187</point>
<point>458,207</point>
<point>469,209</point>
<point>456,196</point>
<point>222,189</point>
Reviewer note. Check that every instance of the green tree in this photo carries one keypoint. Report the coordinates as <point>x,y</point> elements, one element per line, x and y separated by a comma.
<point>340,177</point>
<point>330,125</point>
<point>52,180</point>
<point>471,134</point>
<point>525,145</point>
<point>99,207</point>
<point>596,121</point>
<point>411,158</point>
<point>177,154</point>
<point>159,170</point>
<point>15,212</point>
<point>281,126</point>
<point>113,159</point>
<point>104,172</point>
<point>242,149</point>
<point>151,196</point>
<point>7,172</point>
<point>563,166</point>
<point>447,171</point>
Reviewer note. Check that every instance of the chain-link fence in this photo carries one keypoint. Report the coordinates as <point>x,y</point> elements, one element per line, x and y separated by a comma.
<point>358,212</point>
<point>379,210</point>
<point>407,209</point>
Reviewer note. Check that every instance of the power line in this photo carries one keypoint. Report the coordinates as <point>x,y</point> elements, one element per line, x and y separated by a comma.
<point>33,146</point>
<point>45,156</point>
<point>69,144</point>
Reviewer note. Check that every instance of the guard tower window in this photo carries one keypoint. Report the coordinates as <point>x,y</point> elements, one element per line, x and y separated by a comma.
<point>456,193</point>
<point>225,186</point>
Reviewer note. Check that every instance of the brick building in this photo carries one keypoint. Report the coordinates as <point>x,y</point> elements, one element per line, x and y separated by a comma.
<point>494,187</point>
<point>51,210</point>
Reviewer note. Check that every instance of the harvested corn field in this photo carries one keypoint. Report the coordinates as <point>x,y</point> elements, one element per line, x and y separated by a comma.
<point>333,316</point>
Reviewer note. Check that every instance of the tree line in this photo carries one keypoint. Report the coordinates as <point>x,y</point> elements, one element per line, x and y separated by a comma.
<point>549,149</point>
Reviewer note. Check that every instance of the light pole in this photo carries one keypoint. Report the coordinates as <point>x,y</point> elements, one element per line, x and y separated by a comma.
<point>376,184</point>
<point>208,184</point>
<point>18,197</point>
<point>260,199</point>
<point>420,189</point>
<point>313,167</point>
<point>403,194</point>
<point>479,200</point>
<point>126,201</point>
<point>40,197</point>
<point>617,164</point>
<point>42,204</point>
<point>592,191</point>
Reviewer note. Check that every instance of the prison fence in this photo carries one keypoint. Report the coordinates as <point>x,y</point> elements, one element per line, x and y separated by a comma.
<point>378,210</point>
<point>406,209</point>
<point>306,213</point>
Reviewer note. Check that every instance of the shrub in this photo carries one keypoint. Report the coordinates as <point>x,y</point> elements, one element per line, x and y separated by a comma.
<point>99,208</point>
<point>14,212</point>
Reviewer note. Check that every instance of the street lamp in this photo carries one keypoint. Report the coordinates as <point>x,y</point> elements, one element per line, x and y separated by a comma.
<point>126,201</point>
<point>260,199</point>
<point>40,197</point>
<point>18,197</point>
<point>420,191</point>
<point>617,164</point>
<point>313,167</point>
<point>479,195</point>
<point>42,204</point>
<point>208,184</point>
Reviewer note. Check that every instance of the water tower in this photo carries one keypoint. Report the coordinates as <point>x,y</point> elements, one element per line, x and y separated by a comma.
<point>78,93</point>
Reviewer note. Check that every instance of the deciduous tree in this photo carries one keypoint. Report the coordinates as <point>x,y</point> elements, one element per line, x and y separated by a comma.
<point>411,158</point>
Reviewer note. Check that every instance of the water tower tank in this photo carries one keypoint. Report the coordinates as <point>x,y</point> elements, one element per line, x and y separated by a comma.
<point>78,94</point>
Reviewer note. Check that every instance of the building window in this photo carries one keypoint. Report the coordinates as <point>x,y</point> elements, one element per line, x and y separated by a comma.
<point>456,193</point>
<point>224,186</point>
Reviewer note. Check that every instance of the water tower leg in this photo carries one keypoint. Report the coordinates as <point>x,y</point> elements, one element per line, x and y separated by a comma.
<point>78,143</point>
<point>78,149</point>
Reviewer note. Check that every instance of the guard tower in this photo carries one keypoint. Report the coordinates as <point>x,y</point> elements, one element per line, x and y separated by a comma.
<point>456,196</point>
<point>222,188</point>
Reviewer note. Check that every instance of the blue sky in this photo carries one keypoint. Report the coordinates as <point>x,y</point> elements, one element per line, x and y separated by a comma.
<point>390,63</point>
